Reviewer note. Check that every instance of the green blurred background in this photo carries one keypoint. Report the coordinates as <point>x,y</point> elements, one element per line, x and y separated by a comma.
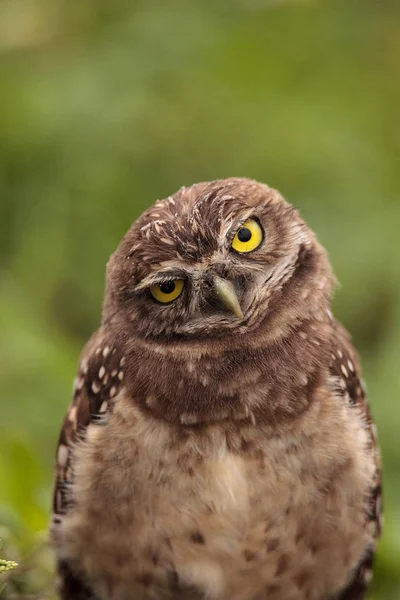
<point>107,106</point>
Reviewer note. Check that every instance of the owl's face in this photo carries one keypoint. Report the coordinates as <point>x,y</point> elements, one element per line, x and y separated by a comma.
<point>216,259</point>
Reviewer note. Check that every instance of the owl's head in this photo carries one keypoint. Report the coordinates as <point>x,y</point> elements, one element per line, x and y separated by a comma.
<point>217,259</point>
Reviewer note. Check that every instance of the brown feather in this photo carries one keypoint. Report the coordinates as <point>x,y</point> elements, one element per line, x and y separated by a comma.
<point>209,456</point>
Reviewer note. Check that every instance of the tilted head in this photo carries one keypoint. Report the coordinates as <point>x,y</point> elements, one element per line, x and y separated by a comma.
<point>217,259</point>
<point>219,298</point>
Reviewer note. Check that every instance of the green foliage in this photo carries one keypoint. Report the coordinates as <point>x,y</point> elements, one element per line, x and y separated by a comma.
<point>106,107</point>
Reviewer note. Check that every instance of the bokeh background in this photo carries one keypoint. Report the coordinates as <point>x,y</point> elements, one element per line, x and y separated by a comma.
<point>107,106</point>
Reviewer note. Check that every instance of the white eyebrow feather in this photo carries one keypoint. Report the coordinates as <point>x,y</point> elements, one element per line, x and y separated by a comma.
<point>168,269</point>
<point>229,223</point>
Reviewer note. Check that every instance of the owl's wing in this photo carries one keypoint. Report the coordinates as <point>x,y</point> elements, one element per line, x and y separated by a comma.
<point>100,375</point>
<point>346,376</point>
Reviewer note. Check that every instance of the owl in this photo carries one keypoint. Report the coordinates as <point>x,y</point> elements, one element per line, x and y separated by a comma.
<point>219,444</point>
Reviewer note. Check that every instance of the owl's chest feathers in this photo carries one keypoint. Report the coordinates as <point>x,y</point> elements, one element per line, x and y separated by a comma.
<point>266,384</point>
<point>227,511</point>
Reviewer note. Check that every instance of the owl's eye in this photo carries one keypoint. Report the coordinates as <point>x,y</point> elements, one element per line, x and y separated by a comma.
<point>167,291</point>
<point>249,237</point>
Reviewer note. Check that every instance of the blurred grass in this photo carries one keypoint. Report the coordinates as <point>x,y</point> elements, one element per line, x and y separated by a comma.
<point>105,108</point>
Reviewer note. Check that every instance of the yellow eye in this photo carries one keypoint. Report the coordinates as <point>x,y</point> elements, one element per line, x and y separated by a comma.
<point>168,291</point>
<point>249,237</point>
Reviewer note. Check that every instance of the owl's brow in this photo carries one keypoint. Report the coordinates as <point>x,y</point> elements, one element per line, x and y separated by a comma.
<point>160,277</point>
<point>233,225</point>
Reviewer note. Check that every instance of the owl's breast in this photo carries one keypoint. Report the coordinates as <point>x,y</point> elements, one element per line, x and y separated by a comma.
<point>164,513</point>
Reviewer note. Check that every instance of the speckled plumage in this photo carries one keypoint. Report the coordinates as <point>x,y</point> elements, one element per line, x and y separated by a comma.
<point>210,456</point>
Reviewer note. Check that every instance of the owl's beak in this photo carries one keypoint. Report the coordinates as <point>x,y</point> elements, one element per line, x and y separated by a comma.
<point>226,293</point>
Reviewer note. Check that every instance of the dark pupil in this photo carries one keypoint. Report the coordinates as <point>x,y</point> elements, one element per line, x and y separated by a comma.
<point>244,234</point>
<point>167,287</point>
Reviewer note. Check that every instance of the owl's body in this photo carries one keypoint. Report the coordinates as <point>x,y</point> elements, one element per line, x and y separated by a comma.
<point>219,445</point>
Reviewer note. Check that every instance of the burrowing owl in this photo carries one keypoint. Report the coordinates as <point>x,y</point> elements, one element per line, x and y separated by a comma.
<point>219,444</point>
